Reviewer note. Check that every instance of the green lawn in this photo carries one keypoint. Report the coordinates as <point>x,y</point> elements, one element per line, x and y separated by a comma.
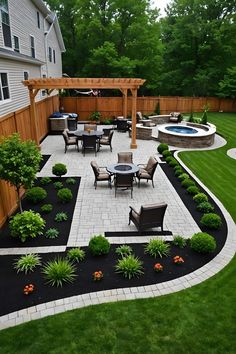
<point>199,320</point>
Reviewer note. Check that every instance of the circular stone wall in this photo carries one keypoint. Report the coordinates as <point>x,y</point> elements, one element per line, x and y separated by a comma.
<point>204,136</point>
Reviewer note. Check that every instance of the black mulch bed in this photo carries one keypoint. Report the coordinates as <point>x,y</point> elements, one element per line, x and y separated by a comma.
<point>43,161</point>
<point>6,241</point>
<point>12,297</point>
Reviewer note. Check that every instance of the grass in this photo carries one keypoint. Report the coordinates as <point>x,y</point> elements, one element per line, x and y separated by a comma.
<point>199,320</point>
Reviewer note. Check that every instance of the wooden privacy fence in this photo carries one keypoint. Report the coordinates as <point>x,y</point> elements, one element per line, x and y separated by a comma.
<point>112,106</point>
<point>19,121</point>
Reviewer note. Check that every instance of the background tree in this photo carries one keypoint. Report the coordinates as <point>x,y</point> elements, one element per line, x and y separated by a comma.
<point>227,87</point>
<point>19,162</point>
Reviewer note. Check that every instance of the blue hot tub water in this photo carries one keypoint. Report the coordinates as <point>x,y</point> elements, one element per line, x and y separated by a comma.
<point>181,130</point>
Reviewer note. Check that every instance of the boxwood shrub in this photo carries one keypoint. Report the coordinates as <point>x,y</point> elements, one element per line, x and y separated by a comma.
<point>193,190</point>
<point>203,243</point>
<point>27,224</point>
<point>200,197</point>
<point>187,183</point>
<point>211,220</point>
<point>36,194</point>
<point>46,208</point>
<point>183,176</point>
<point>173,162</point>
<point>166,153</point>
<point>59,169</point>
<point>205,207</point>
<point>162,147</point>
<point>65,195</point>
<point>99,245</point>
<point>178,172</point>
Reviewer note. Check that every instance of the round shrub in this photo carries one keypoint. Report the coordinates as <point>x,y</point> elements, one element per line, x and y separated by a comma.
<point>168,159</point>
<point>36,194</point>
<point>187,183</point>
<point>203,243</point>
<point>99,245</point>
<point>58,185</point>
<point>162,147</point>
<point>166,153</point>
<point>211,220</point>
<point>205,207</point>
<point>70,180</point>
<point>200,197</point>
<point>59,169</point>
<point>178,167</point>
<point>65,195</point>
<point>27,224</point>
<point>193,190</point>
<point>178,172</point>
<point>183,176</point>
<point>173,162</point>
<point>46,208</point>
<point>45,180</point>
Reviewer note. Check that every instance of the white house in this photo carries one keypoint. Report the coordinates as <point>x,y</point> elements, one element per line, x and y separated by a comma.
<point>31,46</point>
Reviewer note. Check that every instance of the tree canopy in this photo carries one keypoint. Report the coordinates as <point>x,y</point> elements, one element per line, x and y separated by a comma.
<point>188,52</point>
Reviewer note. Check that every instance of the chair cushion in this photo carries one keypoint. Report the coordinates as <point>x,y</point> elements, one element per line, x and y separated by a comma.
<point>103,176</point>
<point>135,216</point>
<point>150,165</point>
<point>153,206</point>
<point>104,140</point>
<point>143,174</point>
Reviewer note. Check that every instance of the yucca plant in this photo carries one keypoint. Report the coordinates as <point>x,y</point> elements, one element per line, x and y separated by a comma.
<point>76,254</point>
<point>157,248</point>
<point>61,217</point>
<point>27,263</point>
<point>59,271</point>
<point>129,266</point>
<point>180,241</point>
<point>52,233</point>
<point>124,250</point>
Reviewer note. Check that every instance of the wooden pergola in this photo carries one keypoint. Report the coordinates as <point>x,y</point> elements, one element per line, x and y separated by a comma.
<point>50,84</point>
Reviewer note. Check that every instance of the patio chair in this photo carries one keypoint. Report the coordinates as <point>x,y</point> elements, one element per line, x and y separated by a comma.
<point>106,131</point>
<point>89,142</point>
<point>100,174</point>
<point>124,182</point>
<point>147,171</point>
<point>175,117</point>
<point>69,140</point>
<point>90,127</point>
<point>106,140</point>
<point>122,125</point>
<point>149,216</point>
<point>125,157</point>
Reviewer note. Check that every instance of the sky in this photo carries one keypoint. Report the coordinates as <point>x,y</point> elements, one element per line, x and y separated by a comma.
<point>161,4</point>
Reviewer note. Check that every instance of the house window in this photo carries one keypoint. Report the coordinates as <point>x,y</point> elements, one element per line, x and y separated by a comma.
<point>4,87</point>
<point>50,54</point>
<point>16,44</point>
<point>54,56</point>
<point>32,46</point>
<point>43,92</point>
<point>26,75</point>
<point>38,19</point>
<point>6,30</point>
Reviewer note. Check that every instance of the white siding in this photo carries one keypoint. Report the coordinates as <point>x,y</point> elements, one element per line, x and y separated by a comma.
<point>54,70</point>
<point>19,96</point>
<point>1,36</point>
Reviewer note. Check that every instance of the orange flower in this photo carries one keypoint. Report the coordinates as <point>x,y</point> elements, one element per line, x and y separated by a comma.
<point>158,267</point>
<point>98,275</point>
<point>178,260</point>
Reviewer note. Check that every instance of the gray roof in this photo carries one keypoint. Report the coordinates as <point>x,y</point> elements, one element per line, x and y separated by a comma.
<point>10,54</point>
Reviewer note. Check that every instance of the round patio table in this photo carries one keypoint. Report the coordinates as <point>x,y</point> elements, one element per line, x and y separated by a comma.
<point>97,133</point>
<point>123,168</point>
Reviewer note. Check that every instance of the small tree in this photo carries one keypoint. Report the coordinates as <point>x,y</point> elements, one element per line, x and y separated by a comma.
<point>19,162</point>
<point>204,118</point>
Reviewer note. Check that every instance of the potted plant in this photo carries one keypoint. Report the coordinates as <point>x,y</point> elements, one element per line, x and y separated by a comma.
<point>95,117</point>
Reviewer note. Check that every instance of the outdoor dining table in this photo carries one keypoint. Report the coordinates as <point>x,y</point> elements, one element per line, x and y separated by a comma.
<point>97,133</point>
<point>123,168</point>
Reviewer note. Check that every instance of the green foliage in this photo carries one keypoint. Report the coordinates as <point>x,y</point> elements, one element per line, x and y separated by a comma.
<point>157,248</point>
<point>59,271</point>
<point>166,153</point>
<point>95,116</point>
<point>191,119</point>
<point>76,254</point>
<point>179,172</point>
<point>211,220</point>
<point>193,190</point>
<point>99,245</point>
<point>45,180</point>
<point>46,208</point>
<point>58,185</point>
<point>205,207</point>
<point>36,194</point>
<point>183,176</point>
<point>180,241</point>
<point>178,167</point>
<point>52,233</point>
<point>65,195</point>
<point>227,86</point>
<point>172,161</point>
<point>162,147</point>
<point>129,266</point>
<point>124,250</point>
<point>70,181</point>
<point>204,118</point>
<point>61,217</point>
<point>27,224</point>
<point>203,243</point>
<point>200,197</point>
<point>59,169</point>
<point>27,263</point>
<point>19,162</point>
<point>187,183</point>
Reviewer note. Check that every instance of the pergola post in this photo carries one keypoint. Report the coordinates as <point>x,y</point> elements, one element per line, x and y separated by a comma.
<point>133,144</point>
<point>33,114</point>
